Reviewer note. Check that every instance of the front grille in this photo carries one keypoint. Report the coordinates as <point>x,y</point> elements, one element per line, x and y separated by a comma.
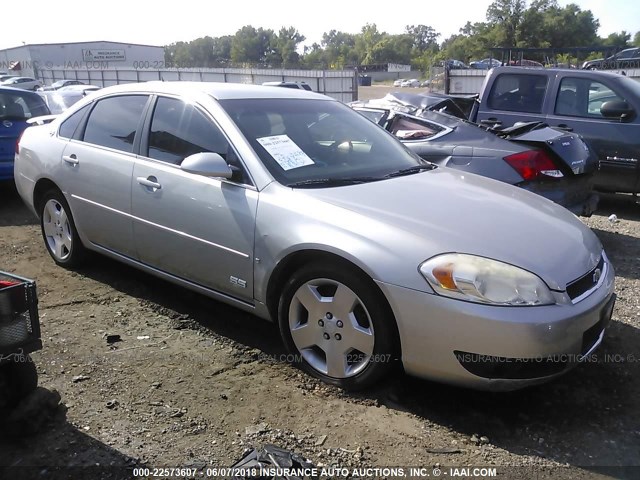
<point>586,282</point>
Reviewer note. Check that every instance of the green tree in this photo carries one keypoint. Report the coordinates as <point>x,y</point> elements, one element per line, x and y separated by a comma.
<point>253,46</point>
<point>366,41</point>
<point>531,31</point>
<point>339,49</point>
<point>636,39</point>
<point>314,57</point>
<point>286,44</point>
<point>570,27</point>
<point>221,50</point>
<point>620,40</point>
<point>424,37</point>
<point>392,49</point>
<point>504,16</point>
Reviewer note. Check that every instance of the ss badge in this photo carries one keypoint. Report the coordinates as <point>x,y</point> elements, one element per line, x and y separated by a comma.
<point>238,282</point>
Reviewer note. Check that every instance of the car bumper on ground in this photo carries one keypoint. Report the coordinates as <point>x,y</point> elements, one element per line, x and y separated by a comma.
<point>496,348</point>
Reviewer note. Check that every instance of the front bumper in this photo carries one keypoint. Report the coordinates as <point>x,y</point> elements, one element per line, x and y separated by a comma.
<point>438,334</point>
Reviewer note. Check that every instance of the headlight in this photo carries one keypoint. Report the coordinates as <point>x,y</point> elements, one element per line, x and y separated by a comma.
<point>482,280</point>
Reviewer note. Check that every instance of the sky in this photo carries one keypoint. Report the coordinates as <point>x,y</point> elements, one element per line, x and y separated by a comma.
<point>156,23</point>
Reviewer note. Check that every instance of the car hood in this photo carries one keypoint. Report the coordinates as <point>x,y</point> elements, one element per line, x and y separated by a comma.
<point>444,210</point>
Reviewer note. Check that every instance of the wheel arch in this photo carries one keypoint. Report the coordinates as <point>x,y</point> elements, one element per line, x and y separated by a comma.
<point>294,260</point>
<point>42,186</point>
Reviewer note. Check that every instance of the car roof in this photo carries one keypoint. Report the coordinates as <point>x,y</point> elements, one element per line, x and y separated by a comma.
<point>219,91</point>
<point>573,71</point>
<point>21,91</point>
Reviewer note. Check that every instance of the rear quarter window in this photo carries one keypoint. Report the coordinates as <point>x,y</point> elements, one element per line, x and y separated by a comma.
<point>70,125</point>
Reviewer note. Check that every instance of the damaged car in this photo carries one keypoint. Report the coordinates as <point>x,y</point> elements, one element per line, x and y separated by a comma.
<point>555,164</point>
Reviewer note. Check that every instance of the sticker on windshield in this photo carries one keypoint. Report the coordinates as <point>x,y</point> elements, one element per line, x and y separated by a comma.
<point>285,152</point>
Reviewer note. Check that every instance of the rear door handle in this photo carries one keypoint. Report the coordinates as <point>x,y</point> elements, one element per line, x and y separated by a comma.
<point>151,182</point>
<point>565,127</point>
<point>71,159</point>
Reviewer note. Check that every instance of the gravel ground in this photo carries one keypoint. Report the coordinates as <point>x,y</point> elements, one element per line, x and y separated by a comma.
<point>193,383</point>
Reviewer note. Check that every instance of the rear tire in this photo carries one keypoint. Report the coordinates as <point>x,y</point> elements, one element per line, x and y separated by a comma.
<point>337,325</point>
<point>59,230</point>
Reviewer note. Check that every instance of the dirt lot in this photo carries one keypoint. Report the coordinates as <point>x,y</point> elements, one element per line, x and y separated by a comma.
<point>194,382</point>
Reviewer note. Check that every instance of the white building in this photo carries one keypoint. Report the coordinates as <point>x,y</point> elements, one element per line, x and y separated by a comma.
<point>34,60</point>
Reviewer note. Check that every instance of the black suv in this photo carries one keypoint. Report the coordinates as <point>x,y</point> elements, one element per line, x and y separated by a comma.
<point>629,58</point>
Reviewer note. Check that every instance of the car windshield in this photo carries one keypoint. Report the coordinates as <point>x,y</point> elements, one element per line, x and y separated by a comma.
<point>19,106</point>
<point>307,142</point>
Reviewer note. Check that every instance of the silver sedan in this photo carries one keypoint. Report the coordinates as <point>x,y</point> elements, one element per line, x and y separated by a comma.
<point>292,206</point>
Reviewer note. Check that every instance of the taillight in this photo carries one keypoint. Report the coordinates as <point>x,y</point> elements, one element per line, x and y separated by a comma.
<point>533,164</point>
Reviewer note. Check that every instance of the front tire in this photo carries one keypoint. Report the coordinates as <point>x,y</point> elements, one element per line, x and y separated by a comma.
<point>337,325</point>
<point>17,380</point>
<point>59,230</point>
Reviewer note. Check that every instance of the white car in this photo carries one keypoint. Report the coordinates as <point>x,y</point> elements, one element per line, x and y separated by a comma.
<point>412,82</point>
<point>24,83</point>
<point>399,81</point>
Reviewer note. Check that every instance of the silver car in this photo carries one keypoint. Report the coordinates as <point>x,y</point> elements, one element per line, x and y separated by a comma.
<point>290,205</point>
<point>24,83</point>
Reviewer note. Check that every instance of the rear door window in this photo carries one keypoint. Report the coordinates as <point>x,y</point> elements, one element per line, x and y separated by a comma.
<point>518,93</point>
<point>582,97</point>
<point>114,121</point>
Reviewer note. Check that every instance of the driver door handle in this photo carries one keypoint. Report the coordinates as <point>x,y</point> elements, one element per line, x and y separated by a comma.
<point>150,182</point>
<point>71,159</point>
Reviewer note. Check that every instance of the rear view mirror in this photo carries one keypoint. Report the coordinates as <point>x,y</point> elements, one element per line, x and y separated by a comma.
<point>617,109</point>
<point>207,164</point>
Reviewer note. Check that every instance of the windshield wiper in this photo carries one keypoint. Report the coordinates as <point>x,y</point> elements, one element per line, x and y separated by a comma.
<point>332,182</point>
<point>411,170</point>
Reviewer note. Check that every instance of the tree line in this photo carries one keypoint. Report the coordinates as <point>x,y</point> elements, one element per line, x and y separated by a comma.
<point>509,23</point>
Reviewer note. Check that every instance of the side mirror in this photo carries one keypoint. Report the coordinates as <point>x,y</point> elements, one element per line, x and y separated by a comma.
<point>617,109</point>
<point>207,164</point>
